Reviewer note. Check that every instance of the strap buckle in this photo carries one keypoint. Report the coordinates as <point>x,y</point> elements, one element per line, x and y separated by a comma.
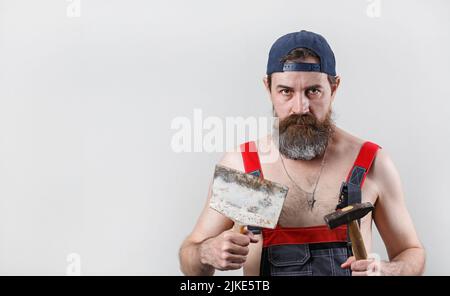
<point>343,196</point>
<point>349,194</point>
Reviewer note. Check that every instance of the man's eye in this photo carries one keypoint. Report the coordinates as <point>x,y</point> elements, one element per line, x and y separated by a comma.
<point>313,91</point>
<point>285,92</point>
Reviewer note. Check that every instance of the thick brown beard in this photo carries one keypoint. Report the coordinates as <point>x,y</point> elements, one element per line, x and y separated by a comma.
<point>303,137</point>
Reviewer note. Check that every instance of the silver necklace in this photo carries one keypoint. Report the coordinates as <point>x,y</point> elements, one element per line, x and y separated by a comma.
<point>311,195</point>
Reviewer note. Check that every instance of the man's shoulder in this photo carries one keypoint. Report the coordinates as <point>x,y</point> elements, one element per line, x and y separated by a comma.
<point>382,165</point>
<point>382,173</point>
<point>346,142</point>
<point>349,142</point>
<point>233,158</point>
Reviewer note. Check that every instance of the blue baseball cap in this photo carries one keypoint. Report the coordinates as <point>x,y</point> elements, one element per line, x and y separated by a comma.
<point>312,41</point>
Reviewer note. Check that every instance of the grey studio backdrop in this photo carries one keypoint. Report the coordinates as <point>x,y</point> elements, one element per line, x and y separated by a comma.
<point>89,89</point>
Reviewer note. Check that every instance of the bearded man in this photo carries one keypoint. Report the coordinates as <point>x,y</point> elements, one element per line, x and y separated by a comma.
<point>316,160</point>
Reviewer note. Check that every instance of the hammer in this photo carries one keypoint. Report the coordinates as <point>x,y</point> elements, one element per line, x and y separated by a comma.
<point>350,215</point>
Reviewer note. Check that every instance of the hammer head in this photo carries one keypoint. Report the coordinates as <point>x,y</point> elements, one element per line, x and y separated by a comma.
<point>348,214</point>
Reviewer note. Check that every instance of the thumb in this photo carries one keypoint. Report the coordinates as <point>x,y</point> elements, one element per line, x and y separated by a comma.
<point>349,262</point>
<point>253,237</point>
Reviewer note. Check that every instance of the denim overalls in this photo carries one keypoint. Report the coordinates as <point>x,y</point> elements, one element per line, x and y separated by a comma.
<point>316,250</point>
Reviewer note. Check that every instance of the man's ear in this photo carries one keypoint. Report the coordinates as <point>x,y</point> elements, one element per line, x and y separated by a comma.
<point>335,86</point>
<point>266,84</point>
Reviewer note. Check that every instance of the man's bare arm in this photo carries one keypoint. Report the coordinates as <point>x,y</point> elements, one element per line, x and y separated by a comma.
<point>213,244</point>
<point>406,254</point>
<point>209,225</point>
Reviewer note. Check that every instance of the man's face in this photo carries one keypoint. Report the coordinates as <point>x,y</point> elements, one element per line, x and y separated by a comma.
<point>301,92</point>
<point>302,101</point>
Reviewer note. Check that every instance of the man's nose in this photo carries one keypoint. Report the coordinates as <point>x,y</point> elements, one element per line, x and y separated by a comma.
<point>300,104</point>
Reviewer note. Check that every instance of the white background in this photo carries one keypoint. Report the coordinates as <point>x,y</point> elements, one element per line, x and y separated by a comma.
<point>86,105</point>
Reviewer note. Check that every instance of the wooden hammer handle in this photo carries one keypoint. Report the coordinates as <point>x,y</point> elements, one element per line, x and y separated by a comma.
<point>241,229</point>
<point>359,250</point>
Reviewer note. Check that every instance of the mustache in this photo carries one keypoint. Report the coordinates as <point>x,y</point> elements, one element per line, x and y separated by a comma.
<point>306,120</point>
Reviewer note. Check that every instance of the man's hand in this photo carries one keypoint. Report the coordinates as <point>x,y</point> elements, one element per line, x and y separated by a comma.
<point>369,267</point>
<point>227,251</point>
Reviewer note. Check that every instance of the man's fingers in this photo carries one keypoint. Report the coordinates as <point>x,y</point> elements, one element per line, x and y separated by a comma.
<point>365,268</point>
<point>231,266</point>
<point>348,263</point>
<point>237,259</point>
<point>254,239</point>
<point>236,249</point>
<point>238,238</point>
<point>360,265</point>
<point>236,265</point>
<point>251,235</point>
<point>228,261</point>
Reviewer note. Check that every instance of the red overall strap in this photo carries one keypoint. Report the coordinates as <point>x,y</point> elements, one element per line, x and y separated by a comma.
<point>250,157</point>
<point>362,164</point>
<point>303,235</point>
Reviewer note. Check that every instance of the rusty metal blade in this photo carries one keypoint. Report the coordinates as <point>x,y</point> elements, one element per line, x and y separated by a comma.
<point>246,199</point>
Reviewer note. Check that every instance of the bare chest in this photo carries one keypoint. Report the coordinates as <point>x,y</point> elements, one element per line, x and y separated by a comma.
<point>297,210</point>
